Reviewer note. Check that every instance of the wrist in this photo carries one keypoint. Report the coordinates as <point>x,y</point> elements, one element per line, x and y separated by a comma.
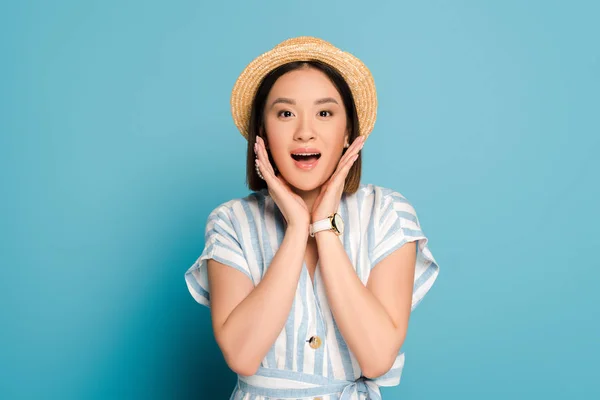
<point>324,234</point>
<point>299,229</point>
<point>319,217</point>
<point>333,223</point>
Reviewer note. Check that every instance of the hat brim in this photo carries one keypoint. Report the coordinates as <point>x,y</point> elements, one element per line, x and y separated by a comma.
<point>355,73</point>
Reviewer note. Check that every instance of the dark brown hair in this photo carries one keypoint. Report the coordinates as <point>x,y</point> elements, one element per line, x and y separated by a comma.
<point>257,121</point>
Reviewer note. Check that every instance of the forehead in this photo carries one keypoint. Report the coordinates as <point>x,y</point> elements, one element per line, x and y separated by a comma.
<point>304,83</point>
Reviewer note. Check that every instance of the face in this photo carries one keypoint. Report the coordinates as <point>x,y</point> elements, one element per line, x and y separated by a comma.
<point>304,114</point>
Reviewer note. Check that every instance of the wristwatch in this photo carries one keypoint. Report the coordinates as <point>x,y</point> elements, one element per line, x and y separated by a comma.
<point>332,223</point>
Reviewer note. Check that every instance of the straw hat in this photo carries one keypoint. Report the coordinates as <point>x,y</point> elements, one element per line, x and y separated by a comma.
<point>306,48</point>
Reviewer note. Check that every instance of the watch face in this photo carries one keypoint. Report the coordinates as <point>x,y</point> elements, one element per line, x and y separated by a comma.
<point>339,223</point>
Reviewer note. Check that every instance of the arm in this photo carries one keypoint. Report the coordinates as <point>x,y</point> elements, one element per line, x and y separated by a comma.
<point>248,319</point>
<point>373,319</point>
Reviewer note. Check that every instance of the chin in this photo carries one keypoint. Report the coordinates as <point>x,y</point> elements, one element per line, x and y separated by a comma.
<point>303,183</point>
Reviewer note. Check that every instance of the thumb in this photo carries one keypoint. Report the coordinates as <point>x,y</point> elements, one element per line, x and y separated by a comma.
<point>318,199</point>
<point>324,188</point>
<point>283,181</point>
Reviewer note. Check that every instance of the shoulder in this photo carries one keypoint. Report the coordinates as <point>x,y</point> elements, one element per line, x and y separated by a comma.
<point>380,195</point>
<point>385,201</point>
<point>239,208</point>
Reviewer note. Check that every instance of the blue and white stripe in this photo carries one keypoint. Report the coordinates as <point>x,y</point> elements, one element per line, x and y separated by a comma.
<point>246,233</point>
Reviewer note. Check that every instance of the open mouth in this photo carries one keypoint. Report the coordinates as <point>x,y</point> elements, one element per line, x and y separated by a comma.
<point>308,157</point>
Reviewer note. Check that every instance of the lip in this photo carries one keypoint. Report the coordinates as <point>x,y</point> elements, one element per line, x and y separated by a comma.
<point>304,165</point>
<point>301,150</point>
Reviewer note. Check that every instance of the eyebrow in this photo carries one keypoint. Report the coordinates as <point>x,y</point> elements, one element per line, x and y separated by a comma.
<point>285,100</point>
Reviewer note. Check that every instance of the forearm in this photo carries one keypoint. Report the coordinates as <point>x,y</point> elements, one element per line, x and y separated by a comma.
<point>362,320</point>
<point>254,325</point>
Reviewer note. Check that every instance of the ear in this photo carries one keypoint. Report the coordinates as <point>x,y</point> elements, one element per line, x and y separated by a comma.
<point>346,140</point>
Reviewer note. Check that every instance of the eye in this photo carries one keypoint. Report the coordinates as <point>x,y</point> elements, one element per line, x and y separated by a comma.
<point>284,113</point>
<point>325,113</point>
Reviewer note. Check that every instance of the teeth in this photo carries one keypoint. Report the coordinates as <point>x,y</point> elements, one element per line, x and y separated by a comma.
<point>306,154</point>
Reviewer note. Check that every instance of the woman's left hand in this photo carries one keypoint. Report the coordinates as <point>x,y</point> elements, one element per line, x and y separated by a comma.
<point>329,197</point>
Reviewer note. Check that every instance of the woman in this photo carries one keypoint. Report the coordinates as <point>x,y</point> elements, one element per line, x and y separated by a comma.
<point>311,278</point>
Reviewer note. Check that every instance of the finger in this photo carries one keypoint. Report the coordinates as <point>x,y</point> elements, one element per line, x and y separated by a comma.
<point>261,163</point>
<point>263,153</point>
<point>277,189</point>
<point>270,178</point>
<point>343,169</point>
<point>352,151</point>
<point>354,148</point>
<point>273,185</point>
<point>259,151</point>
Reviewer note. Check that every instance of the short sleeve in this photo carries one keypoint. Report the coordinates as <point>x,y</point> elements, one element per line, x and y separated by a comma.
<point>221,243</point>
<point>396,224</point>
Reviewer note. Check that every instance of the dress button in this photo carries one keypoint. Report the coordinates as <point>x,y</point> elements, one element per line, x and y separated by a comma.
<point>314,342</point>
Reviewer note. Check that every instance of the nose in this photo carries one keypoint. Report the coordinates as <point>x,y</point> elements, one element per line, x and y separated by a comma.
<point>304,130</point>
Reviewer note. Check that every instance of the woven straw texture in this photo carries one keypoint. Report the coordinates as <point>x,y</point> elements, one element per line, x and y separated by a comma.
<point>306,48</point>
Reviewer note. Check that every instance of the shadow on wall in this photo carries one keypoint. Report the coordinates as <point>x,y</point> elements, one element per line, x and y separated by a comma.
<point>166,351</point>
<point>159,342</point>
<point>203,371</point>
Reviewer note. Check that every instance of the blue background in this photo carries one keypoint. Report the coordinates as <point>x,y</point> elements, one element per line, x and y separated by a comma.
<point>117,141</point>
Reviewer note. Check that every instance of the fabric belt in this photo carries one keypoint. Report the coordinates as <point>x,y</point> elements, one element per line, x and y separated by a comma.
<point>285,384</point>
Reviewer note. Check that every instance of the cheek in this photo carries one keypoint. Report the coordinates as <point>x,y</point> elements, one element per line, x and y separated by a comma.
<point>277,146</point>
<point>278,136</point>
<point>277,129</point>
<point>336,133</point>
<point>340,126</point>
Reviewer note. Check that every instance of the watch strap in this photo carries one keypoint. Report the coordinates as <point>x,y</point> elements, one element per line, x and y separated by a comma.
<point>321,225</point>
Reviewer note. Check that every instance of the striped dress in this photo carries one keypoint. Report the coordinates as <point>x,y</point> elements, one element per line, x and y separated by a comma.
<point>310,359</point>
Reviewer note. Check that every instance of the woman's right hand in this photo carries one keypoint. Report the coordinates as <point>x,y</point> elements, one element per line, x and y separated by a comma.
<point>291,205</point>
